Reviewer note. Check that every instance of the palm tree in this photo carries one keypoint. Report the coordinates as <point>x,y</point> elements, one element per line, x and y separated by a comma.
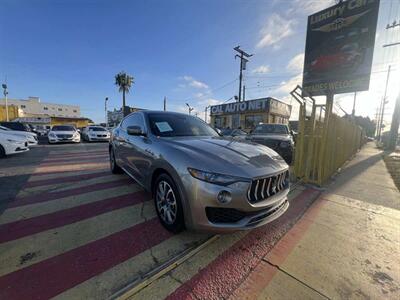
<point>124,81</point>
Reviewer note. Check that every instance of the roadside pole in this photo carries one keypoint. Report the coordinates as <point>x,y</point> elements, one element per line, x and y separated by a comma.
<point>383,106</point>
<point>105,110</point>
<point>165,103</point>
<point>5,92</point>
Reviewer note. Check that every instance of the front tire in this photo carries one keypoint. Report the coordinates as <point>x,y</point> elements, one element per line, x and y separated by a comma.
<point>168,204</point>
<point>2,152</point>
<point>115,169</point>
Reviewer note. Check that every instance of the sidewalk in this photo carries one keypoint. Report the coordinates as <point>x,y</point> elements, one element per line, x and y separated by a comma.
<point>345,246</point>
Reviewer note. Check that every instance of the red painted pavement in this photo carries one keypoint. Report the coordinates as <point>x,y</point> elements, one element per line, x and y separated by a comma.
<point>66,154</point>
<point>74,161</point>
<point>19,229</point>
<point>222,276</point>
<point>43,197</point>
<point>51,277</point>
<point>72,178</point>
<point>44,173</point>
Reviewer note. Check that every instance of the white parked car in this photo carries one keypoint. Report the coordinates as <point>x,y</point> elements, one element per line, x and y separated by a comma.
<point>95,133</point>
<point>31,137</point>
<point>11,144</point>
<point>63,134</point>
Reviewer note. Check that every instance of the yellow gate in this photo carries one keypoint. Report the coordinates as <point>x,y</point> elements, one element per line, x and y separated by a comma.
<point>325,141</point>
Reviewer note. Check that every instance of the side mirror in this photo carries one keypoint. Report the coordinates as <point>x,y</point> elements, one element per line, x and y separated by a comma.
<point>135,130</point>
<point>218,131</point>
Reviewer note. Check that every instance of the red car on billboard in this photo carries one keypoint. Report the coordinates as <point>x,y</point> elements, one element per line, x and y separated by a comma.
<point>348,56</point>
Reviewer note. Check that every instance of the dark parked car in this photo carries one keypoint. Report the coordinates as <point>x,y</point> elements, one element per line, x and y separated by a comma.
<point>234,133</point>
<point>199,179</point>
<point>275,136</point>
<point>16,126</point>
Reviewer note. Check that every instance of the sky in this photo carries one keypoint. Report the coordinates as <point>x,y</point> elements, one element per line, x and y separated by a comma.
<point>69,52</point>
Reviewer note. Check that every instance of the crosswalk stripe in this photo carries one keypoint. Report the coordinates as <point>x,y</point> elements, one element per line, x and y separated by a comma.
<point>19,229</point>
<point>105,284</point>
<point>54,174</point>
<point>64,186</point>
<point>74,167</point>
<point>76,191</point>
<point>42,208</point>
<point>30,250</point>
<point>64,179</point>
<point>50,277</point>
<point>74,161</point>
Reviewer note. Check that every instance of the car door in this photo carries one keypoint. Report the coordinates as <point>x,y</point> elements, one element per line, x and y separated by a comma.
<point>133,149</point>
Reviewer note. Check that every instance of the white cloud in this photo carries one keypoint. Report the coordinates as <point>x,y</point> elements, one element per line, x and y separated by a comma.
<point>295,65</point>
<point>288,86</point>
<point>261,70</point>
<point>195,83</point>
<point>275,30</point>
<point>310,7</point>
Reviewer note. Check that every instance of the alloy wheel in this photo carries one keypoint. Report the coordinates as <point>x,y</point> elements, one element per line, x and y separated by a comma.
<point>166,202</point>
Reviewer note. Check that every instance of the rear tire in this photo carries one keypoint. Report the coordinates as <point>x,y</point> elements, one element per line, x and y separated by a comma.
<point>2,152</point>
<point>115,169</point>
<point>168,204</point>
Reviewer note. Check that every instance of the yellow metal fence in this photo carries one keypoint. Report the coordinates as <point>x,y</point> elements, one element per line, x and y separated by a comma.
<point>324,143</point>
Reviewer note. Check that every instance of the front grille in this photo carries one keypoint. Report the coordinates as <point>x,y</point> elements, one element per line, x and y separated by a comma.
<point>101,135</point>
<point>262,188</point>
<point>224,215</point>
<point>64,136</point>
<point>267,142</point>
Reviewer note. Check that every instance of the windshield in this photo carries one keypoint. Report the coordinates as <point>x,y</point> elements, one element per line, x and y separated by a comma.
<point>97,129</point>
<point>169,125</point>
<point>63,128</point>
<point>270,128</point>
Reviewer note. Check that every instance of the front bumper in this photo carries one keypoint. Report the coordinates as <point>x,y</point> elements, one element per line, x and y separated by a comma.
<point>203,212</point>
<point>54,140</point>
<point>98,139</point>
<point>13,148</point>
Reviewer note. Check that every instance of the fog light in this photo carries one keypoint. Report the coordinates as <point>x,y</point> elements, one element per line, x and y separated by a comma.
<point>224,197</point>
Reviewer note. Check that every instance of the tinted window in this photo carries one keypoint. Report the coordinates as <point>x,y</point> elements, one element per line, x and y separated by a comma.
<point>63,128</point>
<point>97,129</point>
<point>165,124</point>
<point>133,120</point>
<point>270,128</point>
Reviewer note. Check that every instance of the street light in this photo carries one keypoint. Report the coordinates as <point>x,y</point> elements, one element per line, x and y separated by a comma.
<point>5,92</point>
<point>190,108</point>
<point>105,109</point>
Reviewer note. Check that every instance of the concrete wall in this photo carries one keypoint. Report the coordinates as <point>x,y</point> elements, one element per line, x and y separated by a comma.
<point>34,107</point>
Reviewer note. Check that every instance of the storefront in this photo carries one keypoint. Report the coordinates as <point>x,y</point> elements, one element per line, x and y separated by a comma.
<point>247,114</point>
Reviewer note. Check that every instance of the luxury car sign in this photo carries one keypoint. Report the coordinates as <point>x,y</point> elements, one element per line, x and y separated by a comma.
<point>339,48</point>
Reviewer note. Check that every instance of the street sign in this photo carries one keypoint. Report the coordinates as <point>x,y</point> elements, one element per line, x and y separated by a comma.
<point>339,48</point>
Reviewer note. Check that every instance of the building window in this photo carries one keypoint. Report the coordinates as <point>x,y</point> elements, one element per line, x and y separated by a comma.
<point>75,111</point>
<point>45,108</point>
<point>60,109</point>
<point>23,106</point>
<point>252,121</point>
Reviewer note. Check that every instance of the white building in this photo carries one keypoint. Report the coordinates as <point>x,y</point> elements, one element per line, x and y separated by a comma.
<point>33,107</point>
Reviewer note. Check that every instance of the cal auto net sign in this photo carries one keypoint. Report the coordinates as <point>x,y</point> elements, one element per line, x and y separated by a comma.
<point>256,105</point>
<point>339,48</point>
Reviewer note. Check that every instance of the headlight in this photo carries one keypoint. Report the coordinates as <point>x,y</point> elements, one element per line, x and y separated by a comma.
<point>216,178</point>
<point>53,135</point>
<point>92,134</point>
<point>14,141</point>
<point>284,144</point>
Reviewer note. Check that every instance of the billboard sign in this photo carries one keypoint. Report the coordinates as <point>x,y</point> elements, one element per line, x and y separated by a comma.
<point>339,48</point>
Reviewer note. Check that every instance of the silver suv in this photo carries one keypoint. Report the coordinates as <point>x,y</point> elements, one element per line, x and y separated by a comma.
<point>198,179</point>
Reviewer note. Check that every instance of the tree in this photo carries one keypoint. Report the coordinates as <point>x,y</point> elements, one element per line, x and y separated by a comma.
<point>124,81</point>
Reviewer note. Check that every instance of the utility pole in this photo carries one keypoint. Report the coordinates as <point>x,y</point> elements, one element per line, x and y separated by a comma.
<point>244,93</point>
<point>243,62</point>
<point>353,112</point>
<point>205,113</point>
<point>105,110</point>
<point>383,103</point>
<point>5,92</point>
<point>165,103</point>
<point>190,108</point>
<point>394,126</point>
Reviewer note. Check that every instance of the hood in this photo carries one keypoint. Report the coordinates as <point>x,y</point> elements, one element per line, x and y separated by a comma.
<point>227,156</point>
<point>12,136</point>
<point>24,134</point>
<point>276,137</point>
<point>63,132</point>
